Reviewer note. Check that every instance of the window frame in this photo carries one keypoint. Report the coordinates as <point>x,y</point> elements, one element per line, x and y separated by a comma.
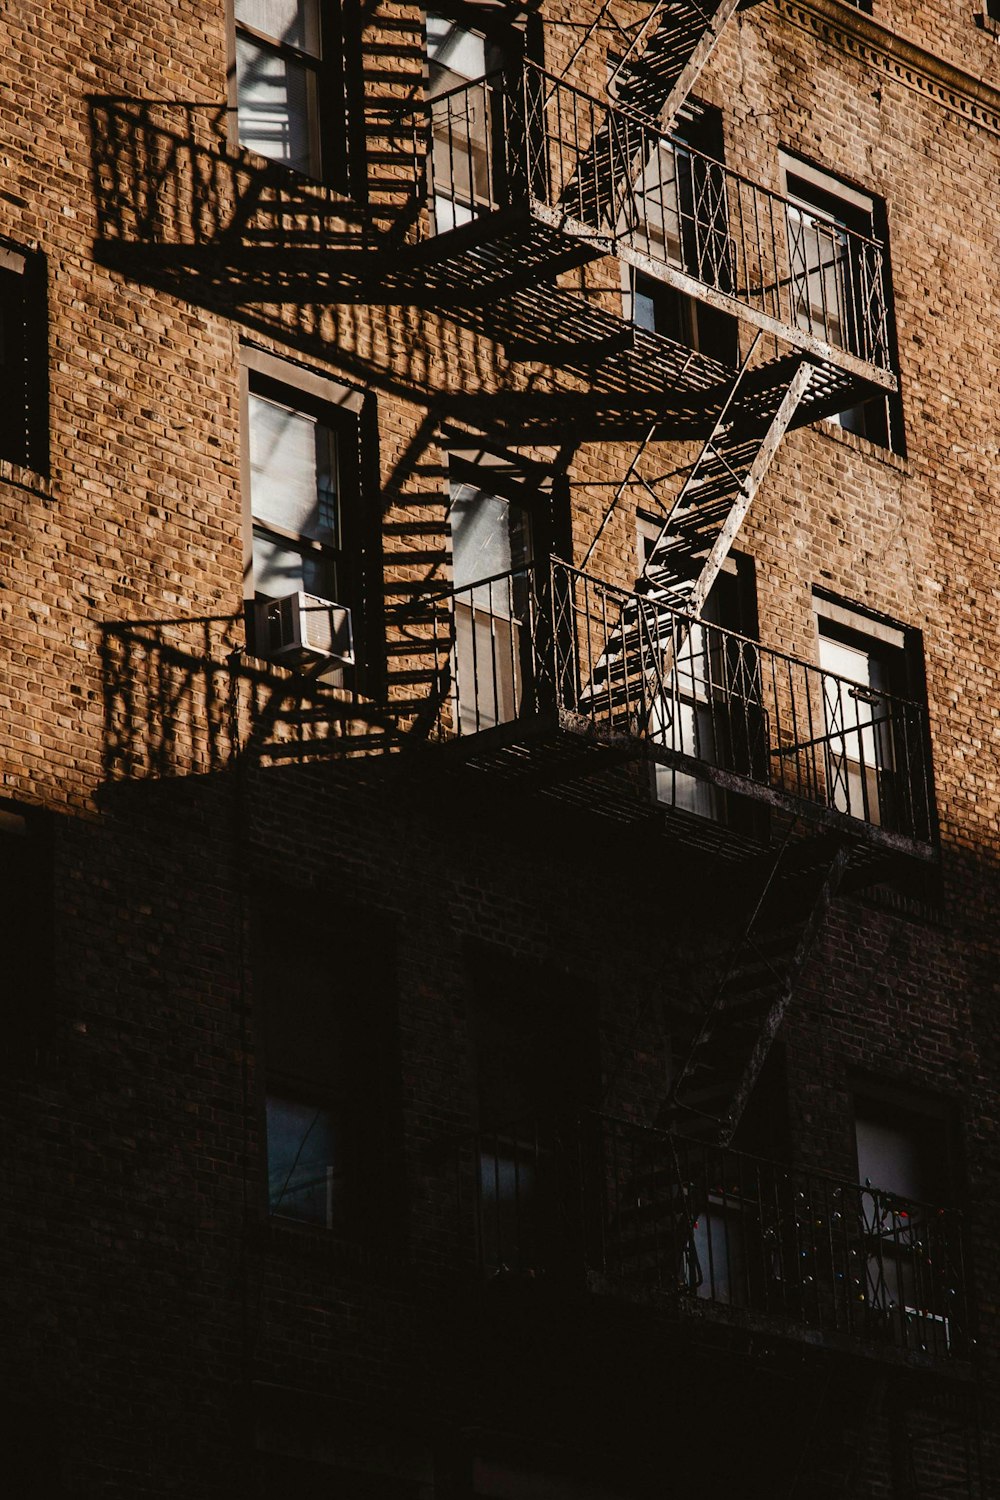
<point>480,185</point>
<point>931,1127</point>
<point>491,619</point>
<point>821,192</point>
<point>698,132</point>
<point>732,606</point>
<point>333,134</point>
<point>24,267</point>
<point>899,649</point>
<point>341,409</point>
<point>364,1112</point>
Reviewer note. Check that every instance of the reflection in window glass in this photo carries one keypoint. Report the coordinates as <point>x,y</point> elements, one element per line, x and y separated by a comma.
<point>294,22</point>
<point>277,106</point>
<point>281,567</point>
<point>293,470</point>
<point>305,1179</point>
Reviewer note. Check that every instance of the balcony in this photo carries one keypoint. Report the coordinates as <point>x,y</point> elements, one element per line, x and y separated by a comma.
<point>550,660</point>
<point>714,1233</point>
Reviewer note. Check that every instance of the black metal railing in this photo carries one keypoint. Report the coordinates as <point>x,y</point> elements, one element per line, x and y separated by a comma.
<point>594,171</point>
<point>652,1211</point>
<point>711,703</point>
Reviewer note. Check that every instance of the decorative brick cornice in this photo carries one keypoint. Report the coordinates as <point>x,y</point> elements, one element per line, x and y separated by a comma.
<point>909,64</point>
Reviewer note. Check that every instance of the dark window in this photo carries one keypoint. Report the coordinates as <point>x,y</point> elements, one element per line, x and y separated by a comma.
<point>24,414</point>
<point>290,98</point>
<point>323,977</point>
<point>844,285</point>
<point>26,910</point>
<point>536,1068</point>
<point>913,1261</point>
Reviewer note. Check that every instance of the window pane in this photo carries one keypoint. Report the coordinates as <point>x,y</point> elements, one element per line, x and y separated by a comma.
<point>277,106</point>
<point>293,471</point>
<point>280,568</point>
<point>305,1177</point>
<point>489,535</point>
<point>889,1157</point>
<point>295,22</point>
<point>454,53</point>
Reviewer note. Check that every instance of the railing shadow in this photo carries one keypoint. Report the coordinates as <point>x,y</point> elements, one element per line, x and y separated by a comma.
<point>182,698</point>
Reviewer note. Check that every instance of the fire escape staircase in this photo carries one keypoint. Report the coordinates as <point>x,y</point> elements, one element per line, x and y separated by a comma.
<point>665,56</point>
<point>699,530</point>
<point>730,1039</point>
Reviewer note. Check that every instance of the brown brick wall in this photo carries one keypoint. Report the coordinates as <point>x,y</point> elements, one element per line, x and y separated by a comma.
<point>146,1290</point>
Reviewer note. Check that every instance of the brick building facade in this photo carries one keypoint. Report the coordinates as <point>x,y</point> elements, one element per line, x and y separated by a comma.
<point>498,706</point>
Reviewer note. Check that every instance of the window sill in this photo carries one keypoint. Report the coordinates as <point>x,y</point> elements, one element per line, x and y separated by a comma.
<point>987,23</point>
<point>282,171</point>
<point>886,456</point>
<point>25,479</point>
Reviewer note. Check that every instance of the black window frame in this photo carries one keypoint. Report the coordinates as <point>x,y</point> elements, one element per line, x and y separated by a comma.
<point>343,410</point>
<point>346,945</point>
<point>338,110</point>
<point>675,315</point>
<point>899,650</point>
<point>24,413</point>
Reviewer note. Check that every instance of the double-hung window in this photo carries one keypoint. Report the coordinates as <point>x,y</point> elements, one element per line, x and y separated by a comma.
<point>840,284</point>
<point>466,59</point>
<point>491,536</point>
<point>710,709</point>
<point>875,762</point>
<point>681,219</point>
<point>912,1258</point>
<point>290,99</point>
<point>302,462</point>
<point>326,1019</point>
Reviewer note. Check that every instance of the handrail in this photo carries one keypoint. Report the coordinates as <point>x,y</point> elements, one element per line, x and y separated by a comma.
<point>712,704</point>
<point>595,170</point>
<point>625,596</point>
<point>579,1193</point>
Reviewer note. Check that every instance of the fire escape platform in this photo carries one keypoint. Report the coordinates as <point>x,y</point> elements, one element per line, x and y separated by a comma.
<point>609,773</point>
<point>817,349</point>
<point>704,1317</point>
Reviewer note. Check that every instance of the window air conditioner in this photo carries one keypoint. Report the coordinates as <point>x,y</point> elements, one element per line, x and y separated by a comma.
<point>301,628</point>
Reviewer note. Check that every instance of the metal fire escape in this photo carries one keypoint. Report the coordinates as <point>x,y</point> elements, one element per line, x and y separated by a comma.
<point>609,179</point>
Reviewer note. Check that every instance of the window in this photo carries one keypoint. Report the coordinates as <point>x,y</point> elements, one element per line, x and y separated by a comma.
<point>536,1066</point>
<point>841,284</point>
<point>24,414</point>
<point>323,984</point>
<point>875,764</point>
<point>491,538</point>
<point>302,462</point>
<point>682,220</point>
<point>712,711</point>
<point>904,1146</point>
<point>467,55</point>
<point>289,84</point>
<point>26,913</point>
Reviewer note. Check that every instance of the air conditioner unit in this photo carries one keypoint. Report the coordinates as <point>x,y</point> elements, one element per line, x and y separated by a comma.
<point>301,628</point>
